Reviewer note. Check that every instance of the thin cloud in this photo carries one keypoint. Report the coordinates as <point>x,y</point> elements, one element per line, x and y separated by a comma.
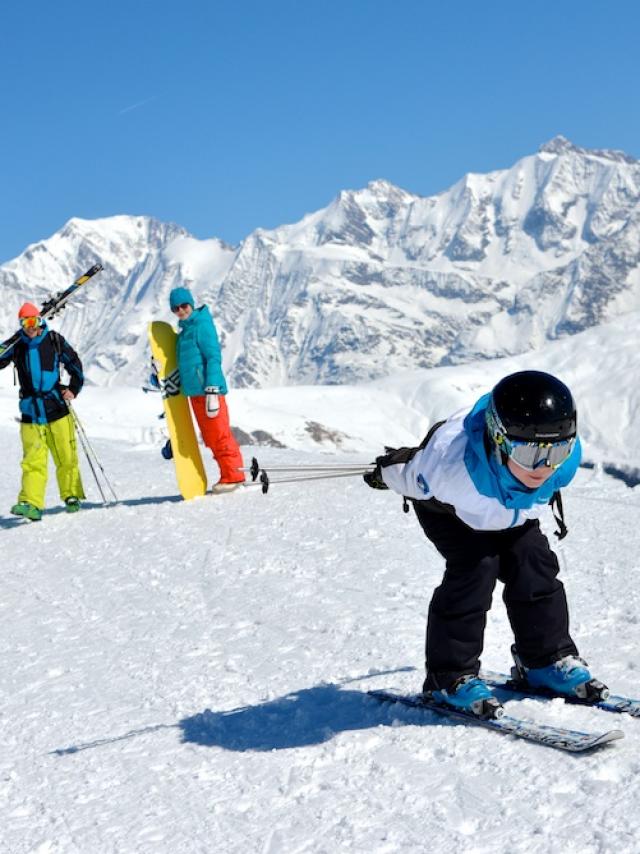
<point>137,105</point>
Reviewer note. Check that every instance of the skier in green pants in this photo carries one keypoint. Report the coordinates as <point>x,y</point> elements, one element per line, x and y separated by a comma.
<point>47,426</point>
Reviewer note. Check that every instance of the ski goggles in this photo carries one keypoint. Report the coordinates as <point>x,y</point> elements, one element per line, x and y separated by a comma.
<point>532,455</point>
<point>183,305</point>
<point>31,322</point>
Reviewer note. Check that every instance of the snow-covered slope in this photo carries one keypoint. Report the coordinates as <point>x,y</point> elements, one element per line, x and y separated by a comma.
<point>600,365</point>
<point>378,282</point>
<point>183,677</point>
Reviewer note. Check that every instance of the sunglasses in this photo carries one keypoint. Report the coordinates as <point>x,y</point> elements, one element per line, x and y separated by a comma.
<point>532,455</point>
<point>31,322</point>
<point>183,305</point>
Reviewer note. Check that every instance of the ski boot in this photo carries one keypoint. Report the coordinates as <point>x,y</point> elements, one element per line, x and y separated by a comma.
<point>72,504</point>
<point>27,511</point>
<point>567,676</point>
<point>225,486</point>
<point>470,694</point>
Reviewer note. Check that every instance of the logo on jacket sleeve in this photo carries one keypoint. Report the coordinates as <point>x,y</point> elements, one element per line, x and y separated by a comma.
<point>422,483</point>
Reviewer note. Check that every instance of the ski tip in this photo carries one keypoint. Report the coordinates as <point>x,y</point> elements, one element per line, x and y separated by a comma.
<point>593,742</point>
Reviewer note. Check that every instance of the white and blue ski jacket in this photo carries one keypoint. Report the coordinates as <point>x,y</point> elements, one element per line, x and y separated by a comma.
<point>455,468</point>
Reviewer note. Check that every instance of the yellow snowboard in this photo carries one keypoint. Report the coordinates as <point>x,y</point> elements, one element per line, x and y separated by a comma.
<point>190,473</point>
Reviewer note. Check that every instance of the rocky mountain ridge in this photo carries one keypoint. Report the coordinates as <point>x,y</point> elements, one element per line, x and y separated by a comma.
<point>379,281</point>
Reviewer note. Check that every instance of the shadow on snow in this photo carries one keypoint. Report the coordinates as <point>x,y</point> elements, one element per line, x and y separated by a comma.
<point>14,522</point>
<point>299,719</point>
<point>303,718</point>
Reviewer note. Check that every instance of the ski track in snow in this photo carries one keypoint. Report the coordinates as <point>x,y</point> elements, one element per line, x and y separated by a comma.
<point>191,677</point>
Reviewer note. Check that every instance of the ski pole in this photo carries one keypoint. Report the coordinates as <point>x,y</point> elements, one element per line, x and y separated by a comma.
<point>265,482</point>
<point>87,455</point>
<point>311,468</point>
<point>254,469</point>
<point>83,433</point>
<point>89,452</point>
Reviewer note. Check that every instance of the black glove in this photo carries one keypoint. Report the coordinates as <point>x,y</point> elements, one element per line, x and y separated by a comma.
<point>374,478</point>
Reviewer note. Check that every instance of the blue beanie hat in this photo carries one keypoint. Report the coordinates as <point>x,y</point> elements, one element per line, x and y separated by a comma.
<point>178,296</point>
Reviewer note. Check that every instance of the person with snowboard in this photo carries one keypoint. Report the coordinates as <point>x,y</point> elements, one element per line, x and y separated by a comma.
<point>202,381</point>
<point>46,424</point>
<point>478,482</point>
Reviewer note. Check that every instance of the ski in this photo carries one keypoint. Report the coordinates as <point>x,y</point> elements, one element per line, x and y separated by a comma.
<point>53,305</point>
<point>613,703</point>
<point>559,738</point>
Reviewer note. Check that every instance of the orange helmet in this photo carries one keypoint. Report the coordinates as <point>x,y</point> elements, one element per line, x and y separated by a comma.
<point>28,310</point>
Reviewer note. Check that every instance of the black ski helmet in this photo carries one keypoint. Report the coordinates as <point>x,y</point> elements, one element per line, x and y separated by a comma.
<point>533,407</point>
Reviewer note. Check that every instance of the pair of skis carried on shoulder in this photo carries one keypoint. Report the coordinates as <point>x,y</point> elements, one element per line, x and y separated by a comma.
<point>53,305</point>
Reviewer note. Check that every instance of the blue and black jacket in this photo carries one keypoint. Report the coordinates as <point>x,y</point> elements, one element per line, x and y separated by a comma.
<point>38,361</point>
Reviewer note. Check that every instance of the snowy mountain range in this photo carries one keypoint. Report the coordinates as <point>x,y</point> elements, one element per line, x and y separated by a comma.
<point>398,409</point>
<point>378,282</point>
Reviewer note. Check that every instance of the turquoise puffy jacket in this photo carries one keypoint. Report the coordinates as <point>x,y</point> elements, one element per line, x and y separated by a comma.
<point>199,355</point>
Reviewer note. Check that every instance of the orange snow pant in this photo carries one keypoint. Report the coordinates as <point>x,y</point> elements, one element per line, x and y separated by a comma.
<point>217,436</point>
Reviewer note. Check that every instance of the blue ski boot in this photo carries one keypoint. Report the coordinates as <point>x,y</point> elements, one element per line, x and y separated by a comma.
<point>568,676</point>
<point>470,694</point>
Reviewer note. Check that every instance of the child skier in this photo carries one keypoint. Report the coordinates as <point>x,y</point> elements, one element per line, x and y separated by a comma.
<point>47,425</point>
<point>479,481</point>
<point>202,381</point>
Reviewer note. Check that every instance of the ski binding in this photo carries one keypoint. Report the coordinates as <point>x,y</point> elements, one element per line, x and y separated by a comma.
<point>609,703</point>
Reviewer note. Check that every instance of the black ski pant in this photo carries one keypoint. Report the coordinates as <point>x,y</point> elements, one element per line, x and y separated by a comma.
<point>535,600</point>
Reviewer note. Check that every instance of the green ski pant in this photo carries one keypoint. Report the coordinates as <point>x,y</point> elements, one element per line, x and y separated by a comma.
<point>58,437</point>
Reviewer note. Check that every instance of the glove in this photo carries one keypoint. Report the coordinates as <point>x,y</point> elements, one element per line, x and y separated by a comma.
<point>154,380</point>
<point>212,404</point>
<point>374,479</point>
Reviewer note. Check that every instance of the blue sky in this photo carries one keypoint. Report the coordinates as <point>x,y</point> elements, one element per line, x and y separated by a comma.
<point>228,116</point>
